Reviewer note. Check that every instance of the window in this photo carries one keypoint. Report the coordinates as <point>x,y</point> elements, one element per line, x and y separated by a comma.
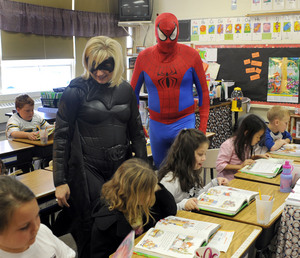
<point>20,76</point>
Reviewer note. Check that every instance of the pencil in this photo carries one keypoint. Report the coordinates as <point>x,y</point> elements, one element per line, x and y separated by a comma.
<point>259,194</point>
<point>271,197</point>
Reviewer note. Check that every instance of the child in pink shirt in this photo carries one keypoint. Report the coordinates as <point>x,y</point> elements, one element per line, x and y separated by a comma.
<point>238,151</point>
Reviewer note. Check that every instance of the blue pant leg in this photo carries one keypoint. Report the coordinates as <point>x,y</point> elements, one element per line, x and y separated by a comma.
<point>163,135</point>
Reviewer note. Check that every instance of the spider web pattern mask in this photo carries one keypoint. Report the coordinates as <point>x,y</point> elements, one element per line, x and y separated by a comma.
<point>166,32</point>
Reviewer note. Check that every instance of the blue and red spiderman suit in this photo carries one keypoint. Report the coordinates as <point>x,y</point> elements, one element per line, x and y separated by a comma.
<point>169,71</point>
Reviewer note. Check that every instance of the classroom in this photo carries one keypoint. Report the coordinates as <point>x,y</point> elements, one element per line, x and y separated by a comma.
<point>246,53</point>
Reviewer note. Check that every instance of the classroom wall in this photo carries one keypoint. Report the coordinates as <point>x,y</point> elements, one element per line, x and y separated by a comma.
<point>197,9</point>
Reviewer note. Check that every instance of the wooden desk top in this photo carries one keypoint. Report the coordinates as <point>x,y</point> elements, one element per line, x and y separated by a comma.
<point>248,214</point>
<point>39,181</point>
<point>7,146</point>
<point>294,158</point>
<point>36,143</point>
<point>241,232</point>
<point>245,176</point>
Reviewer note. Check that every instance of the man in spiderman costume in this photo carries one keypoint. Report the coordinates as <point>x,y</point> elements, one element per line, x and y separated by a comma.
<point>169,70</point>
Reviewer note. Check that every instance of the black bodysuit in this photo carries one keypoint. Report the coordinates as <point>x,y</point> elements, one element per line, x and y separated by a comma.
<point>97,128</point>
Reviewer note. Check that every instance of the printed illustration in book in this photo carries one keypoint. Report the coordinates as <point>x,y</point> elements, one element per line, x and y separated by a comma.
<point>289,150</point>
<point>225,200</point>
<point>175,237</point>
<point>268,168</point>
<point>283,79</point>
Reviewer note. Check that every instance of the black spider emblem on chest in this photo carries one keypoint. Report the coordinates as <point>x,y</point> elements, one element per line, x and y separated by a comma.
<point>168,79</point>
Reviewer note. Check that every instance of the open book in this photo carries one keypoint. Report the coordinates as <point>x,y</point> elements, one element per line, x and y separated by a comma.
<point>288,150</point>
<point>225,200</point>
<point>294,197</point>
<point>265,167</point>
<point>175,237</point>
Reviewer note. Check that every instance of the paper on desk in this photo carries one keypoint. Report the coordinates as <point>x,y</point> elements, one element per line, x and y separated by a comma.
<point>221,240</point>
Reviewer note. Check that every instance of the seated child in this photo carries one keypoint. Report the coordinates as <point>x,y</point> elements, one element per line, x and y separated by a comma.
<point>276,134</point>
<point>21,234</point>
<point>181,170</point>
<point>131,200</point>
<point>25,123</point>
<point>238,151</point>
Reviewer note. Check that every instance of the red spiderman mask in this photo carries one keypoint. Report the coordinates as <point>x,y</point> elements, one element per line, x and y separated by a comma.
<point>166,32</point>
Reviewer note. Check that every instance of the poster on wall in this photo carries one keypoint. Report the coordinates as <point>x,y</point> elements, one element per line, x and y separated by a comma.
<point>195,24</point>
<point>212,29</point>
<point>266,5</point>
<point>256,5</point>
<point>278,4</point>
<point>220,29</point>
<point>291,4</point>
<point>283,79</point>
<point>296,27</point>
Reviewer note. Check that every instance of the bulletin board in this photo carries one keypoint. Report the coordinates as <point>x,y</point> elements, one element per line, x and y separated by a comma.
<point>233,67</point>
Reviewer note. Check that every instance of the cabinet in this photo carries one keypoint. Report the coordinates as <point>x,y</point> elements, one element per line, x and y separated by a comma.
<point>294,127</point>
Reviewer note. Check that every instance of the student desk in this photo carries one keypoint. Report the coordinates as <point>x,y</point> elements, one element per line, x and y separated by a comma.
<point>260,179</point>
<point>248,214</point>
<point>43,151</point>
<point>41,184</point>
<point>243,239</point>
<point>15,154</point>
<point>294,158</point>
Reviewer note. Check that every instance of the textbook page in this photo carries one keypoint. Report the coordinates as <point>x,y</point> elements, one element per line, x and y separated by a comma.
<point>265,167</point>
<point>224,199</point>
<point>232,192</point>
<point>161,243</point>
<point>221,240</point>
<point>175,237</point>
<point>288,150</point>
<point>188,226</point>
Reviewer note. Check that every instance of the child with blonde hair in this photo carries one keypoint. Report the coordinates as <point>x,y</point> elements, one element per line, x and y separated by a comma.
<point>276,135</point>
<point>131,200</point>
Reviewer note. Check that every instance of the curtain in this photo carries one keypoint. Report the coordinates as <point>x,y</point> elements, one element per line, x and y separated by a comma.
<point>49,21</point>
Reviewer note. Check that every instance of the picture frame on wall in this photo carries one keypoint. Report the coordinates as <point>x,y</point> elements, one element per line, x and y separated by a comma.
<point>129,52</point>
<point>139,49</point>
<point>131,62</point>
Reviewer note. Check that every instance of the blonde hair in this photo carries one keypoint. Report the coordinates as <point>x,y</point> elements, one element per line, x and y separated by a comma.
<point>131,190</point>
<point>97,50</point>
<point>277,112</point>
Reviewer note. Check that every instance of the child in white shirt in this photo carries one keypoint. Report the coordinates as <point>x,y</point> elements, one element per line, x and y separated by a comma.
<point>21,234</point>
<point>25,123</point>
<point>181,170</point>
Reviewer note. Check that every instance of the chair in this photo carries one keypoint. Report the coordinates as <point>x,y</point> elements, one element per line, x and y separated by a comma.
<point>210,163</point>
